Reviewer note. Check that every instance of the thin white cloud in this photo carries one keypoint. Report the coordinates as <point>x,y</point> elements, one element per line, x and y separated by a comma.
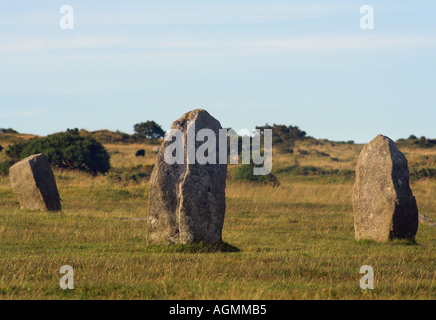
<point>21,113</point>
<point>42,45</point>
<point>182,13</point>
<point>198,13</point>
<point>31,18</point>
<point>337,43</point>
<point>297,43</point>
<point>133,48</point>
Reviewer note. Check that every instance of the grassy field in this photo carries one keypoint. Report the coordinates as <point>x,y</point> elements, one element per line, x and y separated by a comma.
<point>295,241</point>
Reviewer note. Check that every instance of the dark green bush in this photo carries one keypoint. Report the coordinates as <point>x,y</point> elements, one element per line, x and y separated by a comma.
<point>148,130</point>
<point>1,148</point>
<point>321,153</point>
<point>420,173</point>
<point>4,167</point>
<point>282,133</point>
<point>244,173</point>
<point>414,141</point>
<point>425,143</point>
<point>14,150</point>
<point>134,174</point>
<point>9,130</point>
<point>296,170</point>
<point>106,136</point>
<point>303,152</point>
<point>66,150</point>
<point>285,148</point>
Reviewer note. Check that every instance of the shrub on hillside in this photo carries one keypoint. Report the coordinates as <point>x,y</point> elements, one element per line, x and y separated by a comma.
<point>4,167</point>
<point>321,153</point>
<point>303,152</point>
<point>283,133</point>
<point>66,150</point>
<point>107,136</point>
<point>422,173</point>
<point>135,174</point>
<point>244,173</point>
<point>297,170</point>
<point>425,143</point>
<point>14,150</point>
<point>148,130</point>
<point>414,141</point>
<point>9,130</point>
<point>1,148</point>
<point>285,149</point>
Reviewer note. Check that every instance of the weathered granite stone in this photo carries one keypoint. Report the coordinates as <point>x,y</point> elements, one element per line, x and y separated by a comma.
<point>187,201</point>
<point>34,184</point>
<point>383,203</point>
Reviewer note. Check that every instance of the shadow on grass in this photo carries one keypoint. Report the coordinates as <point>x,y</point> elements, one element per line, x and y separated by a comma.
<point>404,242</point>
<point>392,242</point>
<point>193,248</point>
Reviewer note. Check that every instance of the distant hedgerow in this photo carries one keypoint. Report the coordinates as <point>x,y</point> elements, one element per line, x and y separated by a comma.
<point>66,150</point>
<point>296,170</point>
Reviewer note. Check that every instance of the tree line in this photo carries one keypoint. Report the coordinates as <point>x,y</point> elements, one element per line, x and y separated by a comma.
<point>77,149</point>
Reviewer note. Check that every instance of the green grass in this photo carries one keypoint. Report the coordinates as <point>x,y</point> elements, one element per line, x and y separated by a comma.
<point>295,241</point>
<point>291,242</point>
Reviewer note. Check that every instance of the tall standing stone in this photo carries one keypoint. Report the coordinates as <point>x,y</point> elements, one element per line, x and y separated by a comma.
<point>383,203</point>
<point>187,201</point>
<point>34,184</point>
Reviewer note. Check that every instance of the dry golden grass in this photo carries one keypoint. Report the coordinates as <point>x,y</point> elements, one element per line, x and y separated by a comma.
<point>124,155</point>
<point>296,242</point>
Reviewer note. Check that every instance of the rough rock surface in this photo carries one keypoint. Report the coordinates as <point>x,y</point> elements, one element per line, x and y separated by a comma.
<point>383,203</point>
<point>187,201</point>
<point>34,184</point>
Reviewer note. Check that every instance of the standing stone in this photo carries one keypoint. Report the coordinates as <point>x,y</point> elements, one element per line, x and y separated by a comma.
<point>187,201</point>
<point>383,203</point>
<point>34,184</point>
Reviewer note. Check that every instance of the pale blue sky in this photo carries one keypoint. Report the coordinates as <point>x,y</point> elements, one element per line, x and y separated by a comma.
<point>304,63</point>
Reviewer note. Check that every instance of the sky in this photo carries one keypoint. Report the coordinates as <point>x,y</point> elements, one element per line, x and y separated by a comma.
<point>304,63</point>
